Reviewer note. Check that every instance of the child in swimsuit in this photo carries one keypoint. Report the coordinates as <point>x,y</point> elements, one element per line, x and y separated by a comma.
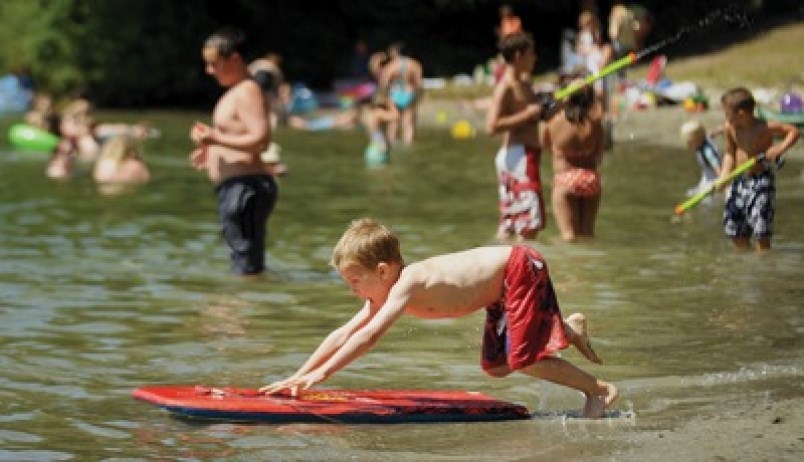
<point>375,117</point>
<point>749,209</point>
<point>515,113</point>
<point>523,331</point>
<point>401,79</point>
<point>707,154</point>
<point>575,136</point>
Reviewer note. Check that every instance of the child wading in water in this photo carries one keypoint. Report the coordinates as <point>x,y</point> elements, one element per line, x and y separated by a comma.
<point>750,207</point>
<point>706,152</point>
<point>515,113</point>
<point>575,136</point>
<point>523,331</point>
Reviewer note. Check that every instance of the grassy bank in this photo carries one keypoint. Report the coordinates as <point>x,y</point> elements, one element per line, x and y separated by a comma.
<point>770,58</point>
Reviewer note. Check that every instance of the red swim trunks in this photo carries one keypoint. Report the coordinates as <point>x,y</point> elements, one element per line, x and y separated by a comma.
<point>520,189</point>
<point>525,325</point>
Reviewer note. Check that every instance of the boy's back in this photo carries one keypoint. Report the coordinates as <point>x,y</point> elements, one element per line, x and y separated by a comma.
<point>454,284</point>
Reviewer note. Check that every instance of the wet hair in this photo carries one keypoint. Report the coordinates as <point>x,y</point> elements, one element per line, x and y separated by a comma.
<point>227,41</point>
<point>367,243</point>
<point>515,43</point>
<point>578,104</point>
<point>120,148</point>
<point>738,99</point>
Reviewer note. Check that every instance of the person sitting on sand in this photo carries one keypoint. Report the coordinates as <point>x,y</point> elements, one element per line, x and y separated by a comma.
<point>120,162</point>
<point>524,329</point>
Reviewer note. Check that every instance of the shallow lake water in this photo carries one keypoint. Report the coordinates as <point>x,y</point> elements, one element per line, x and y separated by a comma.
<point>100,294</point>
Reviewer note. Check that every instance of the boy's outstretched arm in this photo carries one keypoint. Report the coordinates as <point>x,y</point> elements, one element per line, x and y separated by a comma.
<point>789,135</point>
<point>356,345</point>
<point>334,341</point>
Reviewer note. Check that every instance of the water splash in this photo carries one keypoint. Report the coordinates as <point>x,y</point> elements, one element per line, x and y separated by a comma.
<point>731,15</point>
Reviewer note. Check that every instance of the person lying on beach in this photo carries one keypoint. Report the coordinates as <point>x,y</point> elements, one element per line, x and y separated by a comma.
<point>524,329</point>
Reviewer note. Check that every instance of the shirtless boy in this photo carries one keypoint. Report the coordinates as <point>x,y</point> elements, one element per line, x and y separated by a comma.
<point>749,209</point>
<point>515,113</point>
<point>523,330</point>
<point>575,137</point>
<point>230,152</point>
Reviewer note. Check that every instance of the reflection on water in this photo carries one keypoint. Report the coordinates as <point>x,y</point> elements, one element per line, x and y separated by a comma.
<point>103,293</point>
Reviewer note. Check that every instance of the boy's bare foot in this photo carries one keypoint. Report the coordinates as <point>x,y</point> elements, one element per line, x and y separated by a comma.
<point>596,405</point>
<point>580,338</point>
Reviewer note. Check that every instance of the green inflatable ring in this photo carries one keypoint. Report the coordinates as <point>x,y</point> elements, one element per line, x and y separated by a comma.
<point>26,137</point>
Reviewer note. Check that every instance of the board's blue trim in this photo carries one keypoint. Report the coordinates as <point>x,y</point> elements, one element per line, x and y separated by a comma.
<point>346,418</point>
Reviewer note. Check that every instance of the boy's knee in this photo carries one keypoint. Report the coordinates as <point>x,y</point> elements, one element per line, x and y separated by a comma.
<point>497,372</point>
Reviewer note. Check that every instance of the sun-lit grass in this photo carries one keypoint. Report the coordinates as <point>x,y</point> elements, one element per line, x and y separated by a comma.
<point>774,58</point>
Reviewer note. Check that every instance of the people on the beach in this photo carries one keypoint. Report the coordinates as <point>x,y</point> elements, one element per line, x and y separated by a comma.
<point>574,134</point>
<point>524,329</point>
<point>750,206</point>
<point>510,22</point>
<point>595,53</point>
<point>401,81</point>
<point>121,163</point>
<point>707,154</point>
<point>230,149</point>
<point>622,29</point>
<point>515,113</point>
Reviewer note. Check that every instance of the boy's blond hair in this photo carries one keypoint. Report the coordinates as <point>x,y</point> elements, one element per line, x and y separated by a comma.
<point>367,243</point>
<point>692,129</point>
<point>120,148</point>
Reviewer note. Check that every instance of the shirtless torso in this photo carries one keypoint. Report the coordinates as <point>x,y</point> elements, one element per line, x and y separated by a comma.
<point>749,142</point>
<point>240,134</point>
<point>509,114</point>
<point>454,285</point>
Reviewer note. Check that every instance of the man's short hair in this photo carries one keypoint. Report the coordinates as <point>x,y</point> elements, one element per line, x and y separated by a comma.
<point>515,43</point>
<point>227,41</point>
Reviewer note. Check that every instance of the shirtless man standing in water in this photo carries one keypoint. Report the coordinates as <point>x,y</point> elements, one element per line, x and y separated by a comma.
<point>230,150</point>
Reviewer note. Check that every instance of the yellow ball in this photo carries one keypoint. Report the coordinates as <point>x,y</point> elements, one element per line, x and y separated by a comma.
<point>462,130</point>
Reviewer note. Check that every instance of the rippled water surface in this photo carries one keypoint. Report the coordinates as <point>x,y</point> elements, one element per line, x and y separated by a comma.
<point>102,293</point>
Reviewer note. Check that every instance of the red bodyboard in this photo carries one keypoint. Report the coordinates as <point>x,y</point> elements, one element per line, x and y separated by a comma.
<point>329,406</point>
